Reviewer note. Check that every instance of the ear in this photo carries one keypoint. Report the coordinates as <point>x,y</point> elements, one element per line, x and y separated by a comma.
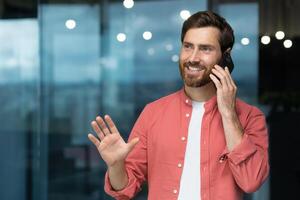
<point>228,51</point>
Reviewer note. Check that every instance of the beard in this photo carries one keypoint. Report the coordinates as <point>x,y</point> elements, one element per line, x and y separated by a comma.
<point>194,81</point>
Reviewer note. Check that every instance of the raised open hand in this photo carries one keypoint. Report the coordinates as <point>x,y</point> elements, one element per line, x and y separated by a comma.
<point>110,144</point>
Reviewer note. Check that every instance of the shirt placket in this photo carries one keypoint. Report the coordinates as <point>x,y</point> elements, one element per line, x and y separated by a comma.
<point>185,115</point>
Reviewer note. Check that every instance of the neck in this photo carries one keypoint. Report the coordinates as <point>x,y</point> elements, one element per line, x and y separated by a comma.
<point>201,94</point>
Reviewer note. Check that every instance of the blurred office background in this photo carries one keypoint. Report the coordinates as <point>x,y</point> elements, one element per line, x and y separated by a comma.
<point>62,62</point>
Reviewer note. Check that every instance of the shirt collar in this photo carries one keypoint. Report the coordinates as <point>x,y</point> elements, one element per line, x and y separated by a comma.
<point>208,105</point>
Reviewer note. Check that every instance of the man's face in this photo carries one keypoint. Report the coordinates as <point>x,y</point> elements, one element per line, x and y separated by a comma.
<point>200,51</point>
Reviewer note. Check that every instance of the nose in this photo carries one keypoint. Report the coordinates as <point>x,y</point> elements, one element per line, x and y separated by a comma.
<point>195,57</point>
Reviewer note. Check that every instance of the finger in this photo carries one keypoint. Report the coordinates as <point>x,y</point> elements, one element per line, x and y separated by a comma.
<point>132,143</point>
<point>221,77</point>
<point>102,125</point>
<point>216,81</point>
<point>229,76</point>
<point>94,140</point>
<point>97,130</point>
<point>111,124</point>
<point>222,71</point>
<point>225,73</point>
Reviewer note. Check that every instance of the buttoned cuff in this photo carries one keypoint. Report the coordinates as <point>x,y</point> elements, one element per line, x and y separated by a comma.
<point>125,194</point>
<point>241,152</point>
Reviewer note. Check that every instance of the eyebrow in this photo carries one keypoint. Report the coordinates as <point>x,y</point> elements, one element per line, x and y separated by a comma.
<point>200,45</point>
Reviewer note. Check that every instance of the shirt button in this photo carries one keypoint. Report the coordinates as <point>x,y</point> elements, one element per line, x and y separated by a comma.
<point>183,138</point>
<point>187,114</point>
<point>179,165</point>
<point>223,158</point>
<point>175,191</point>
<point>186,101</point>
<point>204,142</point>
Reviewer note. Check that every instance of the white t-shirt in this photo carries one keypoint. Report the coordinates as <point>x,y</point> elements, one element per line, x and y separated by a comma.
<point>190,178</point>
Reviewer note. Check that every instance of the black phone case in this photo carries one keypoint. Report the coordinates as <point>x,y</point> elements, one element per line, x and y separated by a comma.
<point>226,61</point>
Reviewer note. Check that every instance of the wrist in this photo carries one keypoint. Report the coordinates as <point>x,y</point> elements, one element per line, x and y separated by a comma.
<point>118,176</point>
<point>229,115</point>
<point>116,165</point>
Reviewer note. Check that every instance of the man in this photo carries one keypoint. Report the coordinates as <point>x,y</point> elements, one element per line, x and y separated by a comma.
<point>198,143</point>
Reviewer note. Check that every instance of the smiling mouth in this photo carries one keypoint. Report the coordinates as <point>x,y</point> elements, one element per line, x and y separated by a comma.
<point>195,69</point>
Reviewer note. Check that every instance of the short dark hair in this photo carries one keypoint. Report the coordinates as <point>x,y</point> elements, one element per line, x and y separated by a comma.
<point>209,18</point>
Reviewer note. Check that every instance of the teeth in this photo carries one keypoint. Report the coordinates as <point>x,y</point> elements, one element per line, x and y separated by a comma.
<point>194,69</point>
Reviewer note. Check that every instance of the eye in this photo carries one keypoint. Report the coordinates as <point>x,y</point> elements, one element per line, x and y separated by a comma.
<point>187,46</point>
<point>206,49</point>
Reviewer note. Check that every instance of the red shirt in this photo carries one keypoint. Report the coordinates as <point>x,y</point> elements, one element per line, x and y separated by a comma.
<point>158,158</point>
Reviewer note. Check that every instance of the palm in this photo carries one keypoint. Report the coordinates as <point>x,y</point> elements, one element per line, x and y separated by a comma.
<point>109,143</point>
<point>113,148</point>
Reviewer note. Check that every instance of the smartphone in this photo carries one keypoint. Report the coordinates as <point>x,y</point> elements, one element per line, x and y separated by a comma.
<point>226,61</point>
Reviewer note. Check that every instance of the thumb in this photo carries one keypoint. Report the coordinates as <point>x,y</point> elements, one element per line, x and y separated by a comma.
<point>131,144</point>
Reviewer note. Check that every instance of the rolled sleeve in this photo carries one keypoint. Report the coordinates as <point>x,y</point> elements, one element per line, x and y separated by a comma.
<point>127,193</point>
<point>242,151</point>
<point>248,161</point>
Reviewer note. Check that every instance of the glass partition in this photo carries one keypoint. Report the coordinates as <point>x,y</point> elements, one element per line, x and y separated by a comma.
<point>100,59</point>
<point>79,59</point>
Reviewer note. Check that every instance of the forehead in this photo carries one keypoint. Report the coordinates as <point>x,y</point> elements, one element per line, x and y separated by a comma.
<point>203,35</point>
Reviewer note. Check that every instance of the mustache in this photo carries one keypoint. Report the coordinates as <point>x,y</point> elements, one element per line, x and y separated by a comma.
<point>193,64</point>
